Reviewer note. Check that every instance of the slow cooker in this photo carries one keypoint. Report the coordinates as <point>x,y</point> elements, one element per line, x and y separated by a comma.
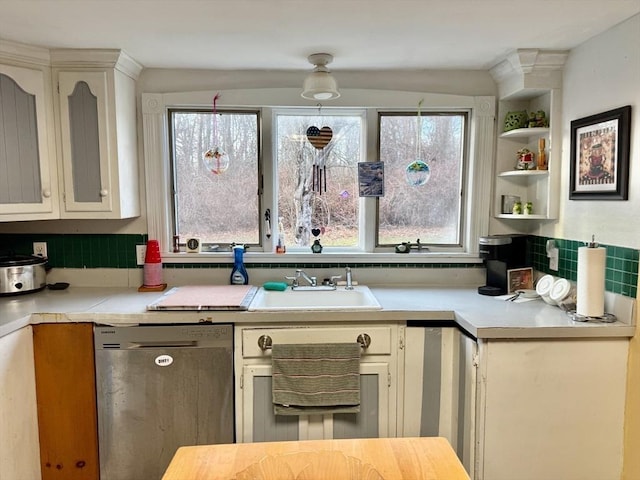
<point>22,274</point>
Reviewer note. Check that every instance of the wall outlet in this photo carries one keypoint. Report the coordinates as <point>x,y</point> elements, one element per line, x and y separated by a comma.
<point>40,249</point>
<point>141,252</point>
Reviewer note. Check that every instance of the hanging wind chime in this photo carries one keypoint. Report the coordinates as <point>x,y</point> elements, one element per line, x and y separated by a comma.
<point>418,171</point>
<point>216,159</point>
<point>319,138</point>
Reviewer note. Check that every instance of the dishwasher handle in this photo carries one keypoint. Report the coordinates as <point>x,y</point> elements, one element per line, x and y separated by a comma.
<point>165,344</point>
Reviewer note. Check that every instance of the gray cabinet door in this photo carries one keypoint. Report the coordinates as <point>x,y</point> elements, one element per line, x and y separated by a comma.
<point>262,425</point>
<point>84,130</point>
<point>25,182</point>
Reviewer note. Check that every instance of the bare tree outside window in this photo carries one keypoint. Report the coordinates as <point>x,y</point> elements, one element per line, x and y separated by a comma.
<point>218,208</point>
<point>429,212</point>
<point>333,208</point>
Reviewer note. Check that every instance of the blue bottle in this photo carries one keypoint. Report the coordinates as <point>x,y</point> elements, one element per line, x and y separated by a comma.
<point>239,275</point>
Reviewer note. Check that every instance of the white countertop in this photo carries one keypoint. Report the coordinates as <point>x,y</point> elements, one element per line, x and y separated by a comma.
<point>481,316</point>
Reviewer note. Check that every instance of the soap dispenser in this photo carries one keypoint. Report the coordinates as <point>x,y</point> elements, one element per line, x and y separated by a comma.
<point>239,275</point>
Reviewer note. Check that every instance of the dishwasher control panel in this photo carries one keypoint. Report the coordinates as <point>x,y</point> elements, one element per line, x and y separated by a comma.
<point>195,336</point>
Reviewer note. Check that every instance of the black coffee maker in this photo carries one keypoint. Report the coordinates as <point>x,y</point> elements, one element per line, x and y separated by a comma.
<point>500,254</point>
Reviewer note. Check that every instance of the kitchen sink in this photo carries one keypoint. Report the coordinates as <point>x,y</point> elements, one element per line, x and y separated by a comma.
<point>340,299</point>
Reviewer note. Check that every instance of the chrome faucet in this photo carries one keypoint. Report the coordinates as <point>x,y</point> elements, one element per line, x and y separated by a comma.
<point>348,278</point>
<point>312,281</point>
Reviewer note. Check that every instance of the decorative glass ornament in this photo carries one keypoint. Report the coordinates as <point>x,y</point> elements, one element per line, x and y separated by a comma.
<point>216,160</point>
<point>418,173</point>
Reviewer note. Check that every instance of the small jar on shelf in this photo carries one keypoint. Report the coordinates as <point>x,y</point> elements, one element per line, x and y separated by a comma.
<point>517,208</point>
<point>528,208</point>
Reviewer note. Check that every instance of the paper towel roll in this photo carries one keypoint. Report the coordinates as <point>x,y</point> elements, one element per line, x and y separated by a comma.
<point>591,270</point>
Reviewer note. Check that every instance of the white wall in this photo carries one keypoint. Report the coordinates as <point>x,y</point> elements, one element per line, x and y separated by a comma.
<point>602,74</point>
<point>458,82</point>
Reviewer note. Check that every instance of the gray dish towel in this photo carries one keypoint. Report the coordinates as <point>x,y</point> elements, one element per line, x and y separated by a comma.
<point>313,379</point>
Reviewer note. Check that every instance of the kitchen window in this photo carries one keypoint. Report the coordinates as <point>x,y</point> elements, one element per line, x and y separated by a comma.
<point>267,145</point>
<point>423,168</point>
<point>317,188</point>
<point>215,176</point>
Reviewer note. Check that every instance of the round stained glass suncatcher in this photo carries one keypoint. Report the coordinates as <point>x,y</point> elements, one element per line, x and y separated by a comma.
<point>418,173</point>
<point>216,161</point>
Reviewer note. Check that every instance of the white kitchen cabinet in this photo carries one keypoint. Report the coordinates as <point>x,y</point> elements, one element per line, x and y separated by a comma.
<point>255,418</point>
<point>19,447</point>
<point>96,112</point>
<point>551,409</point>
<point>28,175</point>
<point>528,80</point>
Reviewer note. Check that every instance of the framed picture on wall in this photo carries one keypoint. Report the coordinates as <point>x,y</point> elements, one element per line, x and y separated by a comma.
<point>600,156</point>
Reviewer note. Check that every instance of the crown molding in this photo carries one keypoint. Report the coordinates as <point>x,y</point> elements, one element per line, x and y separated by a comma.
<point>19,53</point>
<point>95,58</point>
<point>528,71</point>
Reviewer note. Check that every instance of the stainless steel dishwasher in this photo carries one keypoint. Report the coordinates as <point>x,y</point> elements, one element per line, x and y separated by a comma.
<point>160,388</point>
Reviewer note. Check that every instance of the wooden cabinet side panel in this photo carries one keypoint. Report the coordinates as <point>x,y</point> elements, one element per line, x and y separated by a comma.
<point>66,393</point>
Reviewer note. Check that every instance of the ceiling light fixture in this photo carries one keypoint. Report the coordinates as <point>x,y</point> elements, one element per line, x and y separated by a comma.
<point>319,84</point>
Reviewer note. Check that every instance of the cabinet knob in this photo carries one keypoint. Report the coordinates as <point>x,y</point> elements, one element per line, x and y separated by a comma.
<point>104,192</point>
<point>46,193</point>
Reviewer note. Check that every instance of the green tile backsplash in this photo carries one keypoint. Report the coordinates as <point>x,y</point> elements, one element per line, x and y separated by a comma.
<point>118,251</point>
<point>621,274</point>
<point>78,250</point>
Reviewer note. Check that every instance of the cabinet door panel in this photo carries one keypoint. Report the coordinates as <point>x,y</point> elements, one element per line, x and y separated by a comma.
<point>262,425</point>
<point>366,423</point>
<point>268,427</point>
<point>547,413</point>
<point>19,158</point>
<point>85,146</point>
<point>25,174</point>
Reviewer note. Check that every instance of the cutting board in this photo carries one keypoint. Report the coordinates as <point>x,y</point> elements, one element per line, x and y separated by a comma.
<point>206,297</point>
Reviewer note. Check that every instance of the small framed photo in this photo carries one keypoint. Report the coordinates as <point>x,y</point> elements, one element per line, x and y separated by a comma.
<point>371,179</point>
<point>600,156</point>
<point>519,279</point>
<point>508,201</point>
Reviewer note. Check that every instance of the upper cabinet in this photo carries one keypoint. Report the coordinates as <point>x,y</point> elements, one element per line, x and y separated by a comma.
<point>95,107</point>
<point>529,81</point>
<point>68,136</point>
<point>28,175</point>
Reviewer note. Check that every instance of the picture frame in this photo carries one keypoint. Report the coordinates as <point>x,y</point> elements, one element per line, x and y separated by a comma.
<point>599,156</point>
<point>371,179</point>
<point>508,201</point>
<point>519,279</point>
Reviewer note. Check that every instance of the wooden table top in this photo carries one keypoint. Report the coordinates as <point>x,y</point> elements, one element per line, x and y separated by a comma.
<point>425,458</point>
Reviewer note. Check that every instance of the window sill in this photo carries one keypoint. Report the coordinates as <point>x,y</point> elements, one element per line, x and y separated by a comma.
<point>322,258</point>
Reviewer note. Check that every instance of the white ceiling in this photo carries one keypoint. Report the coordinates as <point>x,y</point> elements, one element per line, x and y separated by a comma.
<point>280,34</point>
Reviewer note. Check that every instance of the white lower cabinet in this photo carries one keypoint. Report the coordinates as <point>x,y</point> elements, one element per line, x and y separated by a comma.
<point>512,409</point>
<point>255,418</point>
<point>19,445</point>
<point>551,409</point>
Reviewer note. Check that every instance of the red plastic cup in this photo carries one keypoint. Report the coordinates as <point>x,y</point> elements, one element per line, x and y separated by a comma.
<point>153,252</point>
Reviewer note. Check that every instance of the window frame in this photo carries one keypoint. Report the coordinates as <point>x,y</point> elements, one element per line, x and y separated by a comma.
<point>325,111</point>
<point>172,168</point>
<point>466,114</point>
<point>477,181</point>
